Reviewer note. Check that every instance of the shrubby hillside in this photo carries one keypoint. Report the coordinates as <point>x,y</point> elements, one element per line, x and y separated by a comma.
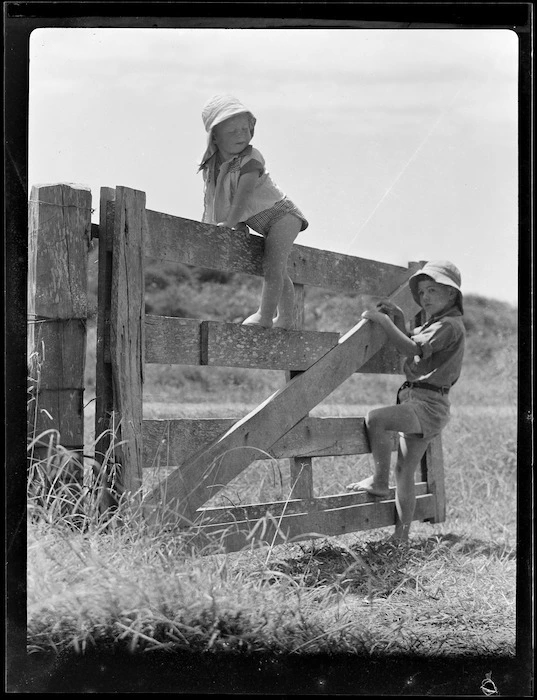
<point>179,290</point>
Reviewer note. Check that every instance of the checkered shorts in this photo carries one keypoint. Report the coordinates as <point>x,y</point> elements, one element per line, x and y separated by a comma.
<point>263,221</point>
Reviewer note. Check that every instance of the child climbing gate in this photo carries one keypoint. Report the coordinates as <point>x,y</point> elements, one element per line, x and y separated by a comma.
<point>239,193</point>
<point>205,454</point>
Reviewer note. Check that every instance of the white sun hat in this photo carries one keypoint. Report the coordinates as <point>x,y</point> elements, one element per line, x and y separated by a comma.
<point>217,110</point>
<point>442,272</point>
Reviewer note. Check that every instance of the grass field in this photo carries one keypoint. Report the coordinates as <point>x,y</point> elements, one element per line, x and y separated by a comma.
<point>449,594</point>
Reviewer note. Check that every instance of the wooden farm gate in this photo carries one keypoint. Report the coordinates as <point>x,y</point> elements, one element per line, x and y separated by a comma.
<point>206,454</point>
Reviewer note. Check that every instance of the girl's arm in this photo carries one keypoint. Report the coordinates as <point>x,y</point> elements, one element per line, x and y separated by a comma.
<point>245,188</point>
<point>396,335</point>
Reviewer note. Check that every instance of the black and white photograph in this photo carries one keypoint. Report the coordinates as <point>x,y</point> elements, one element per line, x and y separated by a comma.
<point>270,328</point>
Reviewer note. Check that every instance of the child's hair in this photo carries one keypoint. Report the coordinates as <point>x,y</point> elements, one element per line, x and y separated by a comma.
<point>440,271</point>
<point>217,110</point>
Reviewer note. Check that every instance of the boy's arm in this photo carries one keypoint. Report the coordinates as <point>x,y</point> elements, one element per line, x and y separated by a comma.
<point>394,312</point>
<point>396,335</point>
<point>245,188</point>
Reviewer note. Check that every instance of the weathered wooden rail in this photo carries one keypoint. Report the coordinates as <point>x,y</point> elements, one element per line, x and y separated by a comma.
<point>203,455</point>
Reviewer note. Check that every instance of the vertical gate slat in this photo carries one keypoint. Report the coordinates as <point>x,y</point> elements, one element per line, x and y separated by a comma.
<point>127,314</point>
<point>301,468</point>
<point>104,399</point>
<point>434,473</point>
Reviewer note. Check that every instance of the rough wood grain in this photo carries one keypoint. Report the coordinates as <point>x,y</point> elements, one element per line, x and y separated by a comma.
<point>61,410</point>
<point>127,331</point>
<point>224,459</point>
<point>233,345</point>
<point>188,341</point>
<point>253,512</point>
<point>104,389</point>
<point>176,239</point>
<point>60,345</point>
<point>59,220</point>
<point>170,443</point>
<point>104,400</point>
<point>300,469</point>
<point>59,236</point>
<point>386,361</point>
<point>322,523</point>
<point>172,340</point>
<point>434,473</point>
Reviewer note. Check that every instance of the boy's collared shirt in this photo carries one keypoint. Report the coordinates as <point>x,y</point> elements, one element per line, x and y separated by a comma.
<point>441,340</point>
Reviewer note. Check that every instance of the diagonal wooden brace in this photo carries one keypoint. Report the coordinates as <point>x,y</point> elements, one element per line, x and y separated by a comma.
<point>217,464</point>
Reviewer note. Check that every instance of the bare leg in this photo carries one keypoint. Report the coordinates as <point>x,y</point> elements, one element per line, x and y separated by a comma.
<point>285,316</point>
<point>278,245</point>
<point>409,456</point>
<point>380,423</point>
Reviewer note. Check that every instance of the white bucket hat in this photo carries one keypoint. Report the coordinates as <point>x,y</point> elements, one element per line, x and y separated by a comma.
<point>442,272</point>
<point>217,110</point>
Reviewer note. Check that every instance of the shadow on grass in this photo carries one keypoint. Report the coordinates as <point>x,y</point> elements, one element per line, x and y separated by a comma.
<point>467,545</point>
<point>378,568</point>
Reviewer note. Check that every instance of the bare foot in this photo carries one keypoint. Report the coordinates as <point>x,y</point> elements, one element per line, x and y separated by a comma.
<point>257,320</point>
<point>400,534</point>
<point>368,485</point>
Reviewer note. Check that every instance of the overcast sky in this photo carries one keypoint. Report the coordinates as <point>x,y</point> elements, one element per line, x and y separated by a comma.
<point>397,145</point>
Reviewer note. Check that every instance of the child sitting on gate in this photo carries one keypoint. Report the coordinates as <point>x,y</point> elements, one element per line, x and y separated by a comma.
<point>433,363</point>
<point>239,192</point>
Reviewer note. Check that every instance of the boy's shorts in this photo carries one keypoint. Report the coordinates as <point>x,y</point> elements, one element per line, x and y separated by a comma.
<point>263,221</point>
<point>430,407</point>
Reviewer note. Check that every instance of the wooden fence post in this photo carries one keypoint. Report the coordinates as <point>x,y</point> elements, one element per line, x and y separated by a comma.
<point>103,377</point>
<point>59,224</point>
<point>127,340</point>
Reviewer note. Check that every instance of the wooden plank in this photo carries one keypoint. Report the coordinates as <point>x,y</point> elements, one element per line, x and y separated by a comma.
<point>61,410</point>
<point>172,340</point>
<point>296,527</point>
<point>59,344</point>
<point>223,460</point>
<point>234,345</point>
<point>59,236</point>
<point>127,332</point>
<point>300,470</point>
<point>301,477</point>
<point>59,221</point>
<point>176,239</point>
<point>324,437</point>
<point>104,390</point>
<point>434,462</point>
<point>386,361</point>
<point>253,512</point>
<point>344,273</point>
<point>188,341</point>
<point>170,443</point>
